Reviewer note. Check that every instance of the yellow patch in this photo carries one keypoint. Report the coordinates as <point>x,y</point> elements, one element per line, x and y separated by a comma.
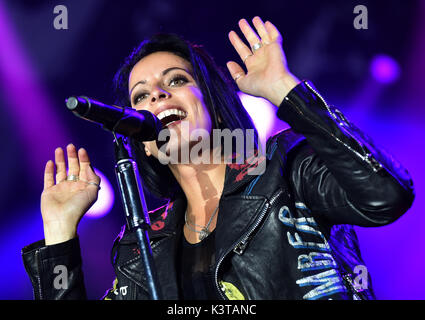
<point>231,292</point>
<point>114,287</point>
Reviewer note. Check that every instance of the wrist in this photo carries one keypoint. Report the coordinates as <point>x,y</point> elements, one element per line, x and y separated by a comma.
<point>57,232</point>
<point>280,89</point>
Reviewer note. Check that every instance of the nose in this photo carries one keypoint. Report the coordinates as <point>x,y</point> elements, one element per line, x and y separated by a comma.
<point>159,94</point>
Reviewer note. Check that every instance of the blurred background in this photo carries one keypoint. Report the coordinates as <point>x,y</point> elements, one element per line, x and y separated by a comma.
<point>374,75</point>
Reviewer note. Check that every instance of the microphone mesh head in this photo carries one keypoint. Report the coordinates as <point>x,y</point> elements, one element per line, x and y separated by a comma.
<point>71,103</point>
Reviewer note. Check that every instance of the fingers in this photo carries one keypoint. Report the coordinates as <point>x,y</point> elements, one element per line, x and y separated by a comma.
<point>250,35</point>
<point>73,163</point>
<point>267,33</point>
<point>86,170</point>
<point>241,48</point>
<point>78,164</point>
<point>84,163</point>
<point>49,172</point>
<point>274,34</point>
<point>93,180</point>
<point>262,30</point>
<point>60,165</point>
<point>235,70</point>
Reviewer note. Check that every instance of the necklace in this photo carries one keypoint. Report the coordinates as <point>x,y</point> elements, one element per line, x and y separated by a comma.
<point>204,232</point>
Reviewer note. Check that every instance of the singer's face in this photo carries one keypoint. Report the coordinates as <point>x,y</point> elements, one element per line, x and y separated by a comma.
<point>162,83</point>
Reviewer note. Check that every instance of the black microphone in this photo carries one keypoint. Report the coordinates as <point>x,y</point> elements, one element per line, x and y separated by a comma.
<point>141,125</point>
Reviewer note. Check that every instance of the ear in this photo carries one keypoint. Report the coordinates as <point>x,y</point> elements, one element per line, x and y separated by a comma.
<point>148,153</point>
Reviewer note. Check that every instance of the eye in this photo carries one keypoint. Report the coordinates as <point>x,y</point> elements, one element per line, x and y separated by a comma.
<point>139,97</point>
<point>178,80</point>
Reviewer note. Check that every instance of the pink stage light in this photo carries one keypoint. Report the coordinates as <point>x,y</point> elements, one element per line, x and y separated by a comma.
<point>262,113</point>
<point>105,199</point>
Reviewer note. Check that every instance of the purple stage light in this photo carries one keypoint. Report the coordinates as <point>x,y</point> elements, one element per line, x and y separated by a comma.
<point>33,112</point>
<point>393,252</point>
<point>384,69</point>
<point>105,199</point>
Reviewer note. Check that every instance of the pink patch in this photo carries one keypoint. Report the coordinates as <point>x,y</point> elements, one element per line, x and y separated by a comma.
<point>246,167</point>
<point>158,225</point>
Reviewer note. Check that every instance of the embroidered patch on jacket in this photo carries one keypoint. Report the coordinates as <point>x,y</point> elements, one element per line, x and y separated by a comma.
<point>231,292</point>
<point>159,224</point>
<point>254,165</point>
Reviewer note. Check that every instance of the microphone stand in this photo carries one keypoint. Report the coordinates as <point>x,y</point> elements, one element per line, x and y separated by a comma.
<point>136,212</point>
<point>128,123</point>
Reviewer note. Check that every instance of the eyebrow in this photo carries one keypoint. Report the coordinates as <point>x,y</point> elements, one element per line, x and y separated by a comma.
<point>163,74</point>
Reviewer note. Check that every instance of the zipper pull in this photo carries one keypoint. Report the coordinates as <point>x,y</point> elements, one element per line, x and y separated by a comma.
<point>241,246</point>
<point>222,287</point>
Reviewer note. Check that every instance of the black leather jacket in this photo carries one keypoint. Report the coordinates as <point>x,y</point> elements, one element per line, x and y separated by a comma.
<point>285,234</point>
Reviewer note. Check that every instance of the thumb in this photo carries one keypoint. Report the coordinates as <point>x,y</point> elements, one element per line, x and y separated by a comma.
<point>235,70</point>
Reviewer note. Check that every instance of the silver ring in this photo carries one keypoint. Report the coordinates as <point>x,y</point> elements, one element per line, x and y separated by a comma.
<point>247,57</point>
<point>256,46</point>
<point>92,183</point>
<point>238,76</point>
<point>72,177</point>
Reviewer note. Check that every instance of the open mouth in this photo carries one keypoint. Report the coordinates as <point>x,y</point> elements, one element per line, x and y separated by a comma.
<point>170,116</point>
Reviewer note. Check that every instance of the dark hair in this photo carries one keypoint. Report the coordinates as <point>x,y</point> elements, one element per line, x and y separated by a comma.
<point>218,90</point>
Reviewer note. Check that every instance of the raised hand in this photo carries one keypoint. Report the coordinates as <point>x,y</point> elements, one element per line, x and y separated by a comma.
<point>267,73</point>
<point>66,200</point>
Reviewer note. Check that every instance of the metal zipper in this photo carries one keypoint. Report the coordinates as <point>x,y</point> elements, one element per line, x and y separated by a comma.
<point>242,244</point>
<point>368,158</point>
<point>240,247</point>
<point>38,273</point>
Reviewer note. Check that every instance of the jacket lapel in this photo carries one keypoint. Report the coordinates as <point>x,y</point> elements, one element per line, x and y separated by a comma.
<point>236,213</point>
<point>239,175</point>
<point>164,235</point>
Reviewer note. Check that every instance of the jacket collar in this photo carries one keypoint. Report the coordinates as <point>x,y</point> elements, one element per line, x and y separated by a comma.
<point>170,217</point>
<point>239,175</point>
<point>165,221</point>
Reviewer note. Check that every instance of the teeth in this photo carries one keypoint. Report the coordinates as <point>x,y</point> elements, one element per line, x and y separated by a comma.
<point>170,112</point>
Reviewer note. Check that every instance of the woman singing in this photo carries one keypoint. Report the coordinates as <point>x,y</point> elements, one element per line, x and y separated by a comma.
<point>228,231</point>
